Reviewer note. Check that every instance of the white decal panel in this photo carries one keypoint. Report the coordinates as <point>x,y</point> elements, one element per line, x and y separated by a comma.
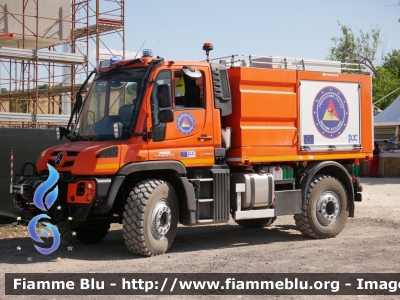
<point>329,115</point>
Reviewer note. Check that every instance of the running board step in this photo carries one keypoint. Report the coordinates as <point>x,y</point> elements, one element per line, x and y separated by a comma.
<point>206,221</point>
<point>253,214</point>
<point>201,179</point>
<point>205,200</point>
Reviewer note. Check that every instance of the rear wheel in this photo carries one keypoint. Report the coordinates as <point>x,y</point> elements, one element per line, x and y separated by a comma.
<point>325,214</point>
<point>83,233</point>
<point>256,223</point>
<point>150,218</point>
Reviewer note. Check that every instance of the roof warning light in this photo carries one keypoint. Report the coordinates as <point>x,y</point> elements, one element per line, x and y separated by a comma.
<point>147,53</point>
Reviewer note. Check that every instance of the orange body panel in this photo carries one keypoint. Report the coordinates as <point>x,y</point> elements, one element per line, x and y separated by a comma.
<point>266,115</point>
<point>207,124</point>
<point>80,157</point>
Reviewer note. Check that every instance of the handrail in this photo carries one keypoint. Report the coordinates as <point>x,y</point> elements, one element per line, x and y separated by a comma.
<point>293,63</point>
<point>285,62</point>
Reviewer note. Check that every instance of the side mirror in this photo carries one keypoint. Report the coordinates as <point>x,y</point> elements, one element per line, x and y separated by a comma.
<point>164,95</point>
<point>61,132</point>
<point>166,116</point>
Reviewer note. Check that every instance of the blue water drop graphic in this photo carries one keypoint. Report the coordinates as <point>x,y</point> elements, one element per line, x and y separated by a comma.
<point>32,232</point>
<point>44,187</point>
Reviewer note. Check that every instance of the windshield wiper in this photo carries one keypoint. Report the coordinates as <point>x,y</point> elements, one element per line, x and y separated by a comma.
<point>79,138</point>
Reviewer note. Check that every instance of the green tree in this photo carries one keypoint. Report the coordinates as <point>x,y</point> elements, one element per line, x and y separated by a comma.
<point>383,85</point>
<point>19,106</point>
<point>391,62</point>
<point>363,49</point>
<point>360,49</point>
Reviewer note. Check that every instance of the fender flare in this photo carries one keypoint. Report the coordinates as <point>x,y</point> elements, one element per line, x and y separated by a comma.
<point>306,174</point>
<point>176,166</point>
<point>130,168</point>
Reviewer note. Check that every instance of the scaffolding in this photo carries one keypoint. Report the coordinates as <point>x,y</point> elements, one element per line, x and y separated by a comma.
<point>44,59</point>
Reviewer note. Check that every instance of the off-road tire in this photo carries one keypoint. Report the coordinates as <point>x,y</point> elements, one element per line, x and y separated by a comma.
<point>83,233</point>
<point>307,222</point>
<point>139,232</point>
<point>256,223</point>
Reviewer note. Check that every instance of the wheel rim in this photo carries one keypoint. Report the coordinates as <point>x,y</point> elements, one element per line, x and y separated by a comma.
<point>328,208</point>
<point>160,220</point>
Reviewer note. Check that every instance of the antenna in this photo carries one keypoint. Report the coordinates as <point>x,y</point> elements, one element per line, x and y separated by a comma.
<point>140,48</point>
<point>156,47</point>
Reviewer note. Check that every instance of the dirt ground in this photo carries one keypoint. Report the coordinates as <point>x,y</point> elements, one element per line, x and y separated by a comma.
<point>369,243</point>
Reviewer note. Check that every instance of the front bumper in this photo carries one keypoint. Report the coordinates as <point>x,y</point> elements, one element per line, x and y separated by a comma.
<point>76,199</point>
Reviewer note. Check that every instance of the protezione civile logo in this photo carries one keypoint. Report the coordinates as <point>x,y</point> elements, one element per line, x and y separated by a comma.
<point>49,200</point>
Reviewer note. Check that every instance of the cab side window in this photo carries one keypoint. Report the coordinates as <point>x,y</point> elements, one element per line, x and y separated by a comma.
<point>189,92</point>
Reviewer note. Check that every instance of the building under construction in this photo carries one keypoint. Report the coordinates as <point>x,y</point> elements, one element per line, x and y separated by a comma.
<point>47,49</point>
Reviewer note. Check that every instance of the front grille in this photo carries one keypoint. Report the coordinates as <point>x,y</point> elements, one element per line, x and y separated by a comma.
<point>68,164</point>
<point>72,153</point>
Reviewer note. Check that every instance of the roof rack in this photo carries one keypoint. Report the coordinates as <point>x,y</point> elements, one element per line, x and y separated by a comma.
<point>291,63</point>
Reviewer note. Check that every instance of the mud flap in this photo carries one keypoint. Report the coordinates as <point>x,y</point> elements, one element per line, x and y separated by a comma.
<point>288,202</point>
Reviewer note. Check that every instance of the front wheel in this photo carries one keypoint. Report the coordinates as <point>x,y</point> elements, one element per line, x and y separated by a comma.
<point>325,213</point>
<point>85,233</point>
<point>150,217</point>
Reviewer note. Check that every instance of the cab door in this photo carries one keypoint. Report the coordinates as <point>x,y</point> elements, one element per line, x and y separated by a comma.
<point>189,138</point>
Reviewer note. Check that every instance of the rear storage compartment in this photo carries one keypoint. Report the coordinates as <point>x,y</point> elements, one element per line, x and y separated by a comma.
<point>290,115</point>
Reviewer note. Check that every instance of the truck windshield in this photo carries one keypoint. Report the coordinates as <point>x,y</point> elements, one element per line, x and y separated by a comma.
<point>111,99</point>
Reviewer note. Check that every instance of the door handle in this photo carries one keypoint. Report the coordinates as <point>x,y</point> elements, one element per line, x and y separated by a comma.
<point>204,138</point>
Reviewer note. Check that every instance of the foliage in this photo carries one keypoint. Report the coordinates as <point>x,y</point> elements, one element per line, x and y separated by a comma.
<point>19,106</point>
<point>356,49</point>
<point>363,49</point>
<point>391,62</point>
<point>384,84</point>
<point>42,86</point>
<point>132,89</point>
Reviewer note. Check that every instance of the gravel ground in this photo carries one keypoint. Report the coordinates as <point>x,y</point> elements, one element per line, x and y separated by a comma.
<point>369,243</point>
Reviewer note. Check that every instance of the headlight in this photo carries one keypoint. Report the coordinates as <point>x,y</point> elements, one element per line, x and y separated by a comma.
<point>109,152</point>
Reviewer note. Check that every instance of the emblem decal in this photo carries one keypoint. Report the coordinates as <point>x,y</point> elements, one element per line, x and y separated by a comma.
<point>185,123</point>
<point>309,139</point>
<point>164,154</point>
<point>59,159</point>
<point>187,154</point>
<point>330,112</point>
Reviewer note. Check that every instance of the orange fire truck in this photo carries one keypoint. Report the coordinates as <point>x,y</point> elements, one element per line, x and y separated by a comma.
<point>159,142</point>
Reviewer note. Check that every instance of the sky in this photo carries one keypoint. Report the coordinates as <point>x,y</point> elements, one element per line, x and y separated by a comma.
<point>176,30</point>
